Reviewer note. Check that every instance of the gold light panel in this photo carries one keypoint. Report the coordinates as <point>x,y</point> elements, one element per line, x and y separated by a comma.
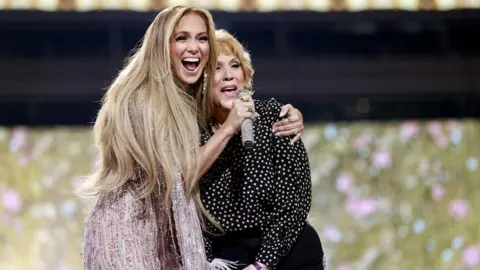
<point>242,5</point>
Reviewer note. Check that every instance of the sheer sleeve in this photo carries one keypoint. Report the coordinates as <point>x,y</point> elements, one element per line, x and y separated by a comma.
<point>121,233</point>
<point>292,199</point>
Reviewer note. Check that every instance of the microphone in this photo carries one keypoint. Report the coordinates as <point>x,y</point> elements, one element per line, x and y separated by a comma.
<point>247,126</point>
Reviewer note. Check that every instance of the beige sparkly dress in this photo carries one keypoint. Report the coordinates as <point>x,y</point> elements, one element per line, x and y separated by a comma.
<point>128,234</point>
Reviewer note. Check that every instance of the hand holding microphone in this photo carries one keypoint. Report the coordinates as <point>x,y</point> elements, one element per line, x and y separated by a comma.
<point>241,117</point>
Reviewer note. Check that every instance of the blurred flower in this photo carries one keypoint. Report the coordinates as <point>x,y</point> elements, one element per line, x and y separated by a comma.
<point>430,245</point>
<point>362,141</point>
<point>18,225</point>
<point>344,182</point>
<point>360,207</point>
<point>458,209</point>
<point>419,226</point>
<point>472,163</point>
<point>456,137</point>
<point>42,236</point>
<point>441,141</point>
<point>457,242</point>
<point>382,159</point>
<point>332,234</point>
<point>69,208</point>
<point>50,211</point>
<point>409,130</point>
<point>447,255</point>
<point>343,266</point>
<point>438,192</point>
<point>330,132</point>
<point>453,125</point>
<point>434,128</point>
<point>24,160</point>
<point>471,256</point>
<point>12,201</point>
<point>423,168</point>
<point>63,266</point>
<point>18,139</point>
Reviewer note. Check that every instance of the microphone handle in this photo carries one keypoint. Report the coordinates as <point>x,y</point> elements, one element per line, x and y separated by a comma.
<point>247,134</point>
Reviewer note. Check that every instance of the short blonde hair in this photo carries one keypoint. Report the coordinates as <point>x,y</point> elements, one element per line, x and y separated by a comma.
<point>227,44</point>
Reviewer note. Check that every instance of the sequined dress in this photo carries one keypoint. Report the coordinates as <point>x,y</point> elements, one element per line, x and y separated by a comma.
<point>122,232</point>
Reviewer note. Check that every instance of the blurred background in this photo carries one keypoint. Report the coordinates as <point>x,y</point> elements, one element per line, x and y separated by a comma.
<point>390,92</point>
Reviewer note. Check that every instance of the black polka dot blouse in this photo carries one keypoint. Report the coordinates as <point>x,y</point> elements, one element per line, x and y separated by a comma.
<point>267,188</point>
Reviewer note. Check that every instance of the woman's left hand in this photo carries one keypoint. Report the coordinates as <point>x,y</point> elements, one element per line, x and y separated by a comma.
<point>292,125</point>
<point>251,267</point>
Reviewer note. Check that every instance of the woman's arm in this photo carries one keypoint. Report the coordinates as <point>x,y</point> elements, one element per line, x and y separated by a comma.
<point>291,202</point>
<point>210,151</point>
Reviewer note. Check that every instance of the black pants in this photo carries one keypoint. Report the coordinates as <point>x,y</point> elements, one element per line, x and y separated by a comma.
<point>306,254</point>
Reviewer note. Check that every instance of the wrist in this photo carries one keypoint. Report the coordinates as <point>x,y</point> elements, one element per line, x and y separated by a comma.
<point>227,131</point>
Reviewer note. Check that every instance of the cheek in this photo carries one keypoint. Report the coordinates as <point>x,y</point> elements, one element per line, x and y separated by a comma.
<point>240,78</point>
<point>174,52</point>
<point>216,91</point>
<point>205,49</point>
<point>217,80</point>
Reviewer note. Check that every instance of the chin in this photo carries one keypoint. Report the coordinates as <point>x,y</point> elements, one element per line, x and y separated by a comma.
<point>227,105</point>
<point>190,80</point>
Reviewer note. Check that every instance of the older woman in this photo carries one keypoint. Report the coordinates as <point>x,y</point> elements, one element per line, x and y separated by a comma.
<point>145,216</point>
<point>259,198</point>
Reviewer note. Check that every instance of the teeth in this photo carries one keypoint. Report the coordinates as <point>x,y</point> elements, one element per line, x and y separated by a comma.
<point>193,60</point>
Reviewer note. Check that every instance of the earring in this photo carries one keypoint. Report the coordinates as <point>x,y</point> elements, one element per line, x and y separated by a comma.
<point>204,86</point>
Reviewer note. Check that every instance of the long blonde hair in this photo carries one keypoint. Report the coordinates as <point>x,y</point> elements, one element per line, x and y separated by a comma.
<point>148,122</point>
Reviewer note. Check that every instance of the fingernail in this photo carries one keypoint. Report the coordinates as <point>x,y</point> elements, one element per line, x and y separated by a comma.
<point>277,134</point>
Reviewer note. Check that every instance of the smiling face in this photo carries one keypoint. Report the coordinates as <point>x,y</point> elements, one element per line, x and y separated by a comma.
<point>190,48</point>
<point>229,79</point>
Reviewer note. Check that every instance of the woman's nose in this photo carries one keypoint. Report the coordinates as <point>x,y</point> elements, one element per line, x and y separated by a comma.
<point>227,76</point>
<point>192,47</point>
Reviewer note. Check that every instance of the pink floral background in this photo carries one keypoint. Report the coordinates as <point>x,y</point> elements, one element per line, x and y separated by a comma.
<point>386,195</point>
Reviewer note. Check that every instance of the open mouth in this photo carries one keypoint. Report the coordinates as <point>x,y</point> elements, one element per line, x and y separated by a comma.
<point>191,63</point>
<point>228,88</point>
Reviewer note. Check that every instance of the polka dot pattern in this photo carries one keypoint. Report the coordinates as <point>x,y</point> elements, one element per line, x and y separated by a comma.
<point>267,188</point>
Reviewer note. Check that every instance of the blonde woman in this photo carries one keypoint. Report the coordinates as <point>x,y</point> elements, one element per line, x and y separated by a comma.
<point>260,198</point>
<point>147,130</point>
